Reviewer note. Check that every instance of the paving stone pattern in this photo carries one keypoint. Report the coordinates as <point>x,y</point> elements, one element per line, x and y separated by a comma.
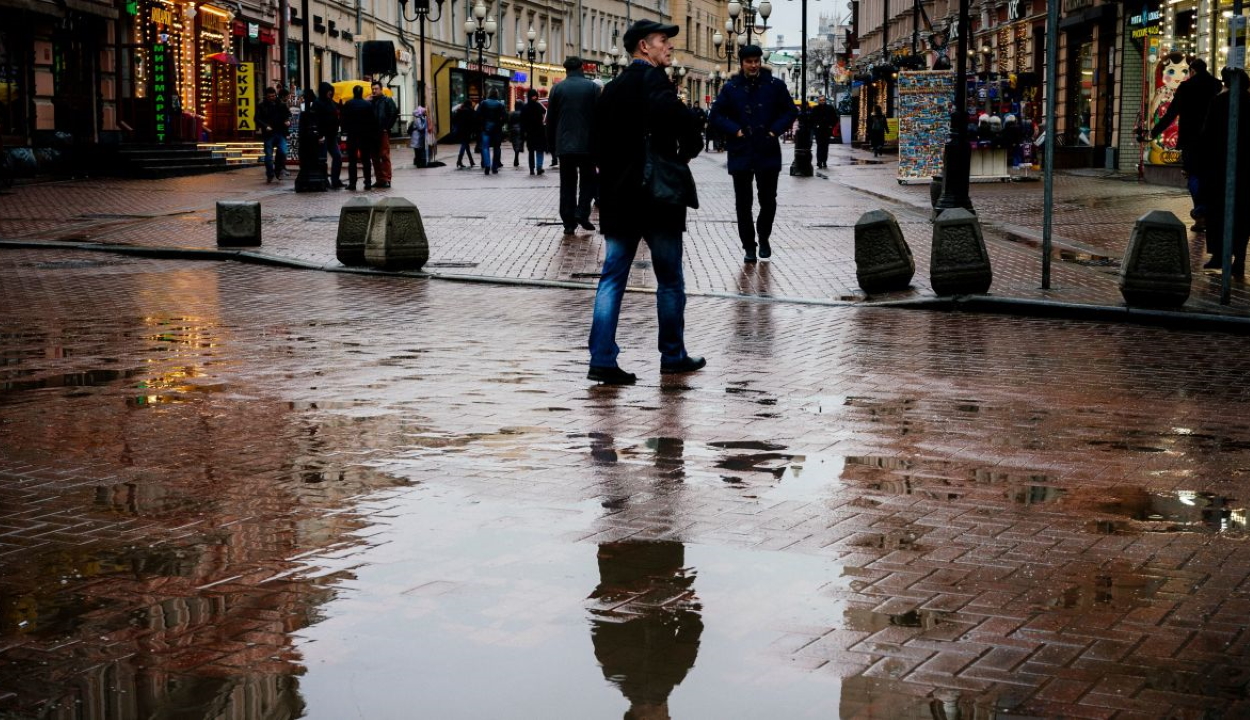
<point>204,465</point>
<point>507,226</point>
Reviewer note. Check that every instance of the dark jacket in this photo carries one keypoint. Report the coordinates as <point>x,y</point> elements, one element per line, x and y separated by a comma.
<point>640,99</point>
<point>327,112</point>
<point>360,122</point>
<point>824,117</point>
<point>1190,103</point>
<point>763,110</point>
<point>533,126</point>
<point>491,117</point>
<point>877,126</point>
<point>515,134</point>
<point>386,112</point>
<point>464,123</point>
<point>570,113</point>
<point>1212,146</point>
<point>273,118</point>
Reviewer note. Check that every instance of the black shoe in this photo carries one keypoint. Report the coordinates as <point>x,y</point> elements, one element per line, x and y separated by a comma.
<point>516,163</point>
<point>540,171</point>
<point>351,187</point>
<point>382,185</point>
<point>1213,264</point>
<point>569,230</point>
<point>336,184</point>
<point>486,170</point>
<point>690,364</point>
<point>586,224</point>
<point>459,166</point>
<point>368,186</point>
<point>532,171</point>
<point>268,179</point>
<point>1199,227</point>
<point>750,256</point>
<point>611,376</point>
<point>766,250</point>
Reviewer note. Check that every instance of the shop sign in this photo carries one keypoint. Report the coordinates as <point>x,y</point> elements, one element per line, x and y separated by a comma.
<point>161,86</point>
<point>1146,23</point>
<point>1015,10</point>
<point>519,77</point>
<point>162,16</point>
<point>253,30</point>
<point>244,97</point>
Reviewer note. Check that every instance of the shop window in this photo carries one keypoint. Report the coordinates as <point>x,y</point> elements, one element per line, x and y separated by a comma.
<point>12,84</point>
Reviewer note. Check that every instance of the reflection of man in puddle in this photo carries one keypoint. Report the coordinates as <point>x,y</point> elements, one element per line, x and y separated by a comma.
<point>645,622</point>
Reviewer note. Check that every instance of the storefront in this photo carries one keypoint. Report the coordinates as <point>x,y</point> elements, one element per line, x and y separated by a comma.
<point>1086,96</point>
<point>455,80</point>
<point>544,78</point>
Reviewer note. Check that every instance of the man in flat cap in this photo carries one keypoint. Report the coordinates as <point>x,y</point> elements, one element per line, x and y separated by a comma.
<point>641,104</point>
<point>751,113</point>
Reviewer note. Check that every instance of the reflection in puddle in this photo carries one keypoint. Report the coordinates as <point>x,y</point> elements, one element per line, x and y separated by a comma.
<point>89,378</point>
<point>1180,511</point>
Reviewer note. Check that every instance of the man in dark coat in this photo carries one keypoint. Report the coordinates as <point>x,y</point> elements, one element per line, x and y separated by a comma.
<point>492,119</point>
<point>387,113</point>
<point>534,128</point>
<point>570,112</point>
<point>640,106</point>
<point>824,118</point>
<point>464,127</point>
<point>751,112</point>
<point>327,112</point>
<point>360,122</point>
<point>1190,104</point>
<point>1212,147</point>
<point>273,118</point>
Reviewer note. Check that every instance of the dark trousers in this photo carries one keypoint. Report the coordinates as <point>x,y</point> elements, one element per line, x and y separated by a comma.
<point>363,152</point>
<point>331,150</point>
<point>575,202</point>
<point>1215,230</point>
<point>1193,171</point>
<point>766,185</point>
<point>822,146</point>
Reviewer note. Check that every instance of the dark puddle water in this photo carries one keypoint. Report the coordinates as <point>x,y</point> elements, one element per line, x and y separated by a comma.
<point>468,616</point>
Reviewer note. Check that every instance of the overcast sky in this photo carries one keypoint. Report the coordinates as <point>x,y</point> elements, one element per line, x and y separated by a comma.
<point>787,17</point>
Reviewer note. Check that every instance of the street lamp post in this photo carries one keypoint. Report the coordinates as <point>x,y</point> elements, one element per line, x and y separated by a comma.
<point>740,29</point>
<point>481,32</point>
<point>529,51</point>
<point>957,162</point>
<point>802,165</point>
<point>421,10</point>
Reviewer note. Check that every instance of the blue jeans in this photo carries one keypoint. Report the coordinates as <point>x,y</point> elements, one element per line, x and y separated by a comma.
<point>536,159</point>
<point>1191,165</point>
<point>331,149</point>
<point>670,296</point>
<point>488,141</point>
<point>273,142</point>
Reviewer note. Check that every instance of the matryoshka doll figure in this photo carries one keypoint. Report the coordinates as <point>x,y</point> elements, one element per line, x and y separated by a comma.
<point>1170,72</point>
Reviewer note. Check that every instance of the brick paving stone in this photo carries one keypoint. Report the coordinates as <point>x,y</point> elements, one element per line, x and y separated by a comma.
<point>283,429</point>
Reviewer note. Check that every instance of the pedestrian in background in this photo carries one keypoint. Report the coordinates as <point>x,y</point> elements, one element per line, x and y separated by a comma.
<point>516,135</point>
<point>418,138</point>
<point>464,128</point>
<point>388,114</point>
<point>360,123</point>
<point>273,118</point>
<point>751,112</point>
<point>824,118</point>
<point>640,108</point>
<point>327,112</point>
<point>570,116</point>
<point>1214,158</point>
<point>876,131</point>
<point>1189,106</point>
<point>533,124</point>
<point>701,117</point>
<point>491,117</point>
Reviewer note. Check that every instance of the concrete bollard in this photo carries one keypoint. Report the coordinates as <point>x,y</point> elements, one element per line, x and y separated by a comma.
<point>238,222</point>
<point>1156,269</point>
<point>396,236</point>
<point>960,264</point>
<point>883,261</point>
<point>349,244</point>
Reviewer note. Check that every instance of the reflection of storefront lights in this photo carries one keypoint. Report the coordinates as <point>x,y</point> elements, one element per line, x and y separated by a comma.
<point>1186,496</point>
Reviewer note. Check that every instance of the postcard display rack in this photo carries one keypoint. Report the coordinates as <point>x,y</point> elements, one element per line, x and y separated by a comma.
<point>925,100</point>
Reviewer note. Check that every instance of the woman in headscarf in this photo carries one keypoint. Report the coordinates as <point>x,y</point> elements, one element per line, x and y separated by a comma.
<point>418,132</point>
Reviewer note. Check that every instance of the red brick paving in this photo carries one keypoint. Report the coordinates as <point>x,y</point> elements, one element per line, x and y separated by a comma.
<point>506,226</point>
<point>212,472</point>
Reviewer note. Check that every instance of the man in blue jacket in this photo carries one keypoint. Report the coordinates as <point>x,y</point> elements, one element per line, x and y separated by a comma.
<point>751,113</point>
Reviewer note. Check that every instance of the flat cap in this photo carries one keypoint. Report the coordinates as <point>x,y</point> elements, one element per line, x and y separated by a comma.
<point>750,51</point>
<point>643,28</point>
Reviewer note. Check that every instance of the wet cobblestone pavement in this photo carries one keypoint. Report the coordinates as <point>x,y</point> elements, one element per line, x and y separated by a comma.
<point>229,490</point>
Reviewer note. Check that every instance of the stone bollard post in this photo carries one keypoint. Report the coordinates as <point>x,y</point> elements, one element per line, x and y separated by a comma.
<point>1156,268</point>
<point>349,245</point>
<point>396,236</point>
<point>960,264</point>
<point>238,222</point>
<point>883,261</point>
